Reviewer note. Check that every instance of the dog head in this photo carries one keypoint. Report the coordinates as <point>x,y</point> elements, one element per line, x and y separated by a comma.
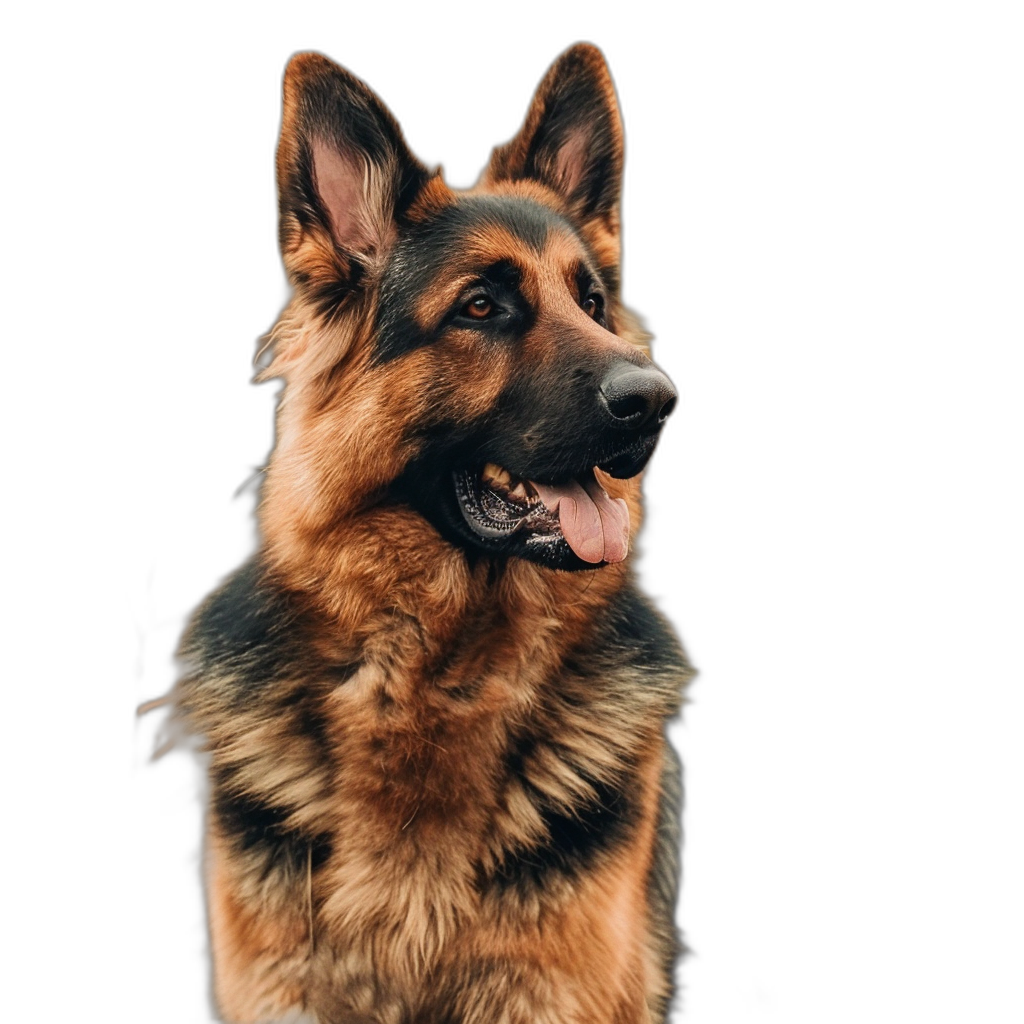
<point>461,358</point>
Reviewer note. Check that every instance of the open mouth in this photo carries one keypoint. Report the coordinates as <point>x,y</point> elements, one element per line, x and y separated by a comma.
<point>496,504</point>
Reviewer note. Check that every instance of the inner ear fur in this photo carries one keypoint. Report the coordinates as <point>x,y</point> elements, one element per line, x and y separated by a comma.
<point>344,174</point>
<point>571,140</point>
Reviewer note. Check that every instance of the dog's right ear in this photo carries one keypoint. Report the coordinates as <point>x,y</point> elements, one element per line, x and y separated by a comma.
<point>343,172</point>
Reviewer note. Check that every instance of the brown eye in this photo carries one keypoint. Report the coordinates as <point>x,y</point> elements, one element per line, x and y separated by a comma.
<point>592,306</point>
<point>479,308</point>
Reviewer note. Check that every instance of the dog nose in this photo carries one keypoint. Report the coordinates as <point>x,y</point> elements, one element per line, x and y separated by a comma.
<point>638,396</point>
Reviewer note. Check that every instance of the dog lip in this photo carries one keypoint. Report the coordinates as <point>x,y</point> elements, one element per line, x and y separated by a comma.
<point>495,516</point>
<point>630,461</point>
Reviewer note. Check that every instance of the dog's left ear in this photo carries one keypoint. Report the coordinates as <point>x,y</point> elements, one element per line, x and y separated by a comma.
<point>571,142</point>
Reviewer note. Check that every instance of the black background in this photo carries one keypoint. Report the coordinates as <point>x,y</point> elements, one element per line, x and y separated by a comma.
<point>732,196</point>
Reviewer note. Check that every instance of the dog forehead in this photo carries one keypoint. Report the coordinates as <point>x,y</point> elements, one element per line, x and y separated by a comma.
<point>480,230</point>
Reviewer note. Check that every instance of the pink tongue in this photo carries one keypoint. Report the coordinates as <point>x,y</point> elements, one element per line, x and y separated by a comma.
<point>595,526</point>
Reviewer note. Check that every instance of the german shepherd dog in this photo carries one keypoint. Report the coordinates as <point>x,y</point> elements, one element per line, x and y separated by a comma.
<point>434,702</point>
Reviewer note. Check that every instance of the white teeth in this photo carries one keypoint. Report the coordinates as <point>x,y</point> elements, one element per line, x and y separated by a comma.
<point>506,485</point>
<point>495,475</point>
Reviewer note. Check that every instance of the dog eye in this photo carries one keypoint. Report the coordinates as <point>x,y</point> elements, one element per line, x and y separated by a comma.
<point>479,308</point>
<point>593,306</point>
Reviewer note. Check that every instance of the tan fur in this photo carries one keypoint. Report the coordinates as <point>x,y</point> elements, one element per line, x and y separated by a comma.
<point>386,739</point>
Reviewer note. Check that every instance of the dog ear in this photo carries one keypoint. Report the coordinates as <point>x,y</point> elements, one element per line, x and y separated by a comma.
<point>571,140</point>
<point>344,173</point>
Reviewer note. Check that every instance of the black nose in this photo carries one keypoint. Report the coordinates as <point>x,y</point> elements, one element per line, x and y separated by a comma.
<point>638,396</point>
